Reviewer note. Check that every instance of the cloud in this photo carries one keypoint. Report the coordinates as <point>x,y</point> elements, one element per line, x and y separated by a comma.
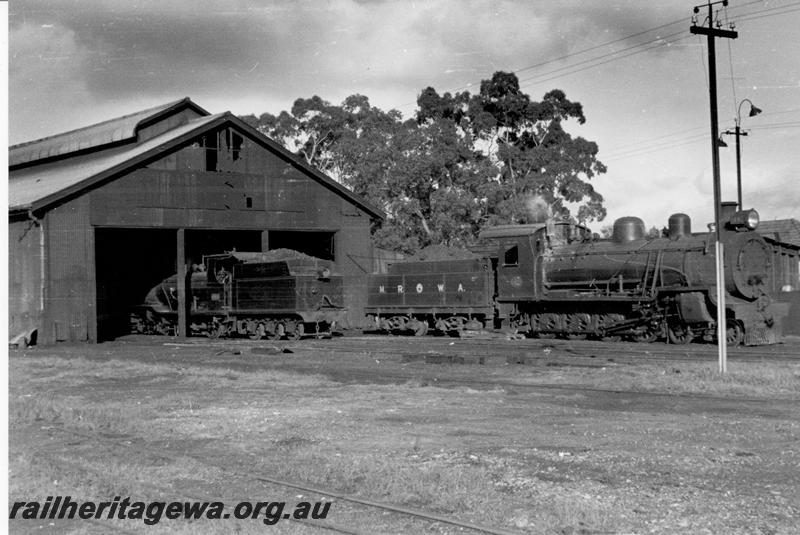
<point>287,48</point>
<point>779,200</point>
<point>46,65</point>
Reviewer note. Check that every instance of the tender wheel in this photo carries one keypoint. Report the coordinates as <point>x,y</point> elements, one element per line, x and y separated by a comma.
<point>298,332</point>
<point>280,330</point>
<point>455,323</point>
<point>167,328</point>
<point>218,330</point>
<point>734,333</point>
<point>323,329</point>
<point>258,333</point>
<point>396,323</point>
<point>421,328</point>
<point>679,334</point>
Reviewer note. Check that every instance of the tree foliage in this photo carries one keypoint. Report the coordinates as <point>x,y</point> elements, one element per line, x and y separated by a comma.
<point>463,162</point>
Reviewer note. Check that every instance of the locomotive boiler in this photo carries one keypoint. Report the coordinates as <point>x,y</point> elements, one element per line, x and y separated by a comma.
<point>274,294</point>
<point>557,279</point>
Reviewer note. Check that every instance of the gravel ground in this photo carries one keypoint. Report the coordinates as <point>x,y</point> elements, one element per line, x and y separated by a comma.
<point>525,460</point>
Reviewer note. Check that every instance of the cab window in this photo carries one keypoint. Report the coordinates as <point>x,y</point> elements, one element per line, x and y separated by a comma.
<point>511,256</point>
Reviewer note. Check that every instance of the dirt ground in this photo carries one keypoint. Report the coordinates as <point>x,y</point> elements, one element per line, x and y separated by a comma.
<point>652,448</point>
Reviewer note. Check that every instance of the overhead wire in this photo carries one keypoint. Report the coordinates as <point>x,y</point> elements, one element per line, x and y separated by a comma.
<point>625,38</point>
<point>761,14</point>
<point>615,55</point>
<point>586,64</point>
<point>635,151</point>
<point>689,140</point>
<point>594,62</point>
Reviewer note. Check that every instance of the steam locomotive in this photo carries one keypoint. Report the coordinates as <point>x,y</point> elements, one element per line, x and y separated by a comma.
<point>558,279</point>
<point>274,294</point>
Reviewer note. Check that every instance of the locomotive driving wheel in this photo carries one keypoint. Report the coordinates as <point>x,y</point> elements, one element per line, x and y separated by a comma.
<point>679,334</point>
<point>547,322</point>
<point>577,325</point>
<point>734,334</point>
<point>645,334</point>
<point>645,337</point>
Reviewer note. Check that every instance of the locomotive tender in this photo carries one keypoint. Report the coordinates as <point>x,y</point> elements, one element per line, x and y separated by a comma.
<point>557,279</point>
<point>252,294</point>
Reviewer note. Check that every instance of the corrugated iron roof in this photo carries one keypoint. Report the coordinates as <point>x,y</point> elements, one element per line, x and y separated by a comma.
<point>38,186</point>
<point>781,230</point>
<point>96,135</point>
<point>34,186</point>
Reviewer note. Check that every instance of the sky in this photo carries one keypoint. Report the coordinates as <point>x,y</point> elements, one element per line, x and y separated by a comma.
<point>639,73</point>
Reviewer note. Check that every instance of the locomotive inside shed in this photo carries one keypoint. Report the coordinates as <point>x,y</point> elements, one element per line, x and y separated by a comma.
<point>131,261</point>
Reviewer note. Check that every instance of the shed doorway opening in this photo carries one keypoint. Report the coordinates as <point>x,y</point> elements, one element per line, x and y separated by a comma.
<point>128,263</point>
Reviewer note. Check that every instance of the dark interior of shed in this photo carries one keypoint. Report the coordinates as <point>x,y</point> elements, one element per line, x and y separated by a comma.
<point>205,242</point>
<point>128,263</point>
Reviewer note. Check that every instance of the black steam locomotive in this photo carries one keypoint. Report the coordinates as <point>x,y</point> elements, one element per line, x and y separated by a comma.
<point>274,294</point>
<point>558,279</point>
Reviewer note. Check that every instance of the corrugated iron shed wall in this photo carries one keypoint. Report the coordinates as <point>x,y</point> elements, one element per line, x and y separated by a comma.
<point>70,297</point>
<point>25,275</point>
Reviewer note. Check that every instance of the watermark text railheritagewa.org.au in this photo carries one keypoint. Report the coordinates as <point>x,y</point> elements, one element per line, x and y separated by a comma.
<point>64,507</point>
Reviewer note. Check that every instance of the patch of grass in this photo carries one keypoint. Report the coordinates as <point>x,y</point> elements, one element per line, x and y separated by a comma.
<point>34,477</point>
<point>77,414</point>
<point>742,378</point>
<point>465,490</point>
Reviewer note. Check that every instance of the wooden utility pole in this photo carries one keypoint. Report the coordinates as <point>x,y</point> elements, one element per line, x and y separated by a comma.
<point>713,32</point>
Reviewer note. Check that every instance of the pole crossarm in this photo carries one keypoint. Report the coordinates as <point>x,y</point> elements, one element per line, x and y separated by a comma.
<point>714,32</point>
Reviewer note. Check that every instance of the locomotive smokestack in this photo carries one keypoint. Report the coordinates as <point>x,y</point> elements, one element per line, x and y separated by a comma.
<point>727,209</point>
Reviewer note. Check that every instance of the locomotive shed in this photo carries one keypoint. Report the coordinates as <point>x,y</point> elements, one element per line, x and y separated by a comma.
<point>99,215</point>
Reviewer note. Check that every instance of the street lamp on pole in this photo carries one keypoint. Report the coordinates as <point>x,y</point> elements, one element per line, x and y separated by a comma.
<point>738,132</point>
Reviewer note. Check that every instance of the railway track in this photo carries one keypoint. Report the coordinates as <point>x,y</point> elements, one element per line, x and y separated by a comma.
<point>361,360</point>
<point>494,349</point>
<point>136,447</point>
<point>494,342</point>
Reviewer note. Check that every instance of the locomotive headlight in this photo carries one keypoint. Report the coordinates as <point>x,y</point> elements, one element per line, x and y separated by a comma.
<point>752,219</point>
<point>746,219</point>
